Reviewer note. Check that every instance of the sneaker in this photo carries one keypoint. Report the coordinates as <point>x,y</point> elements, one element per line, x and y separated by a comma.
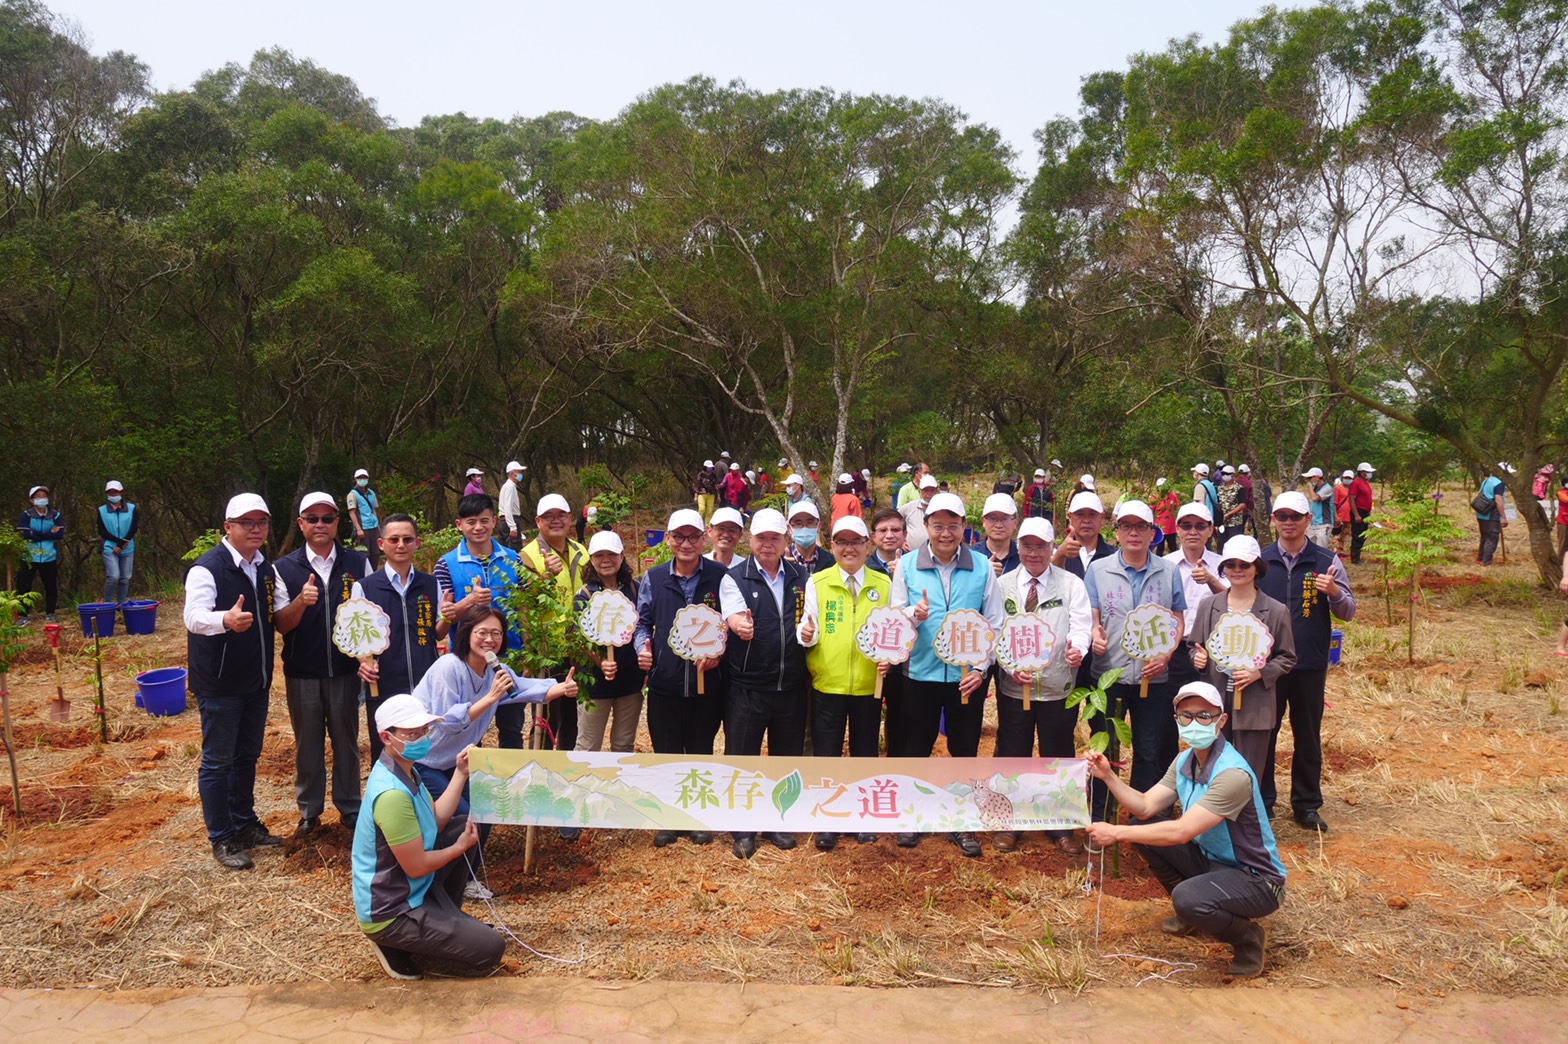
<point>50,618</point>
<point>24,621</point>
<point>229,854</point>
<point>570,833</point>
<point>474,890</point>
<point>398,963</point>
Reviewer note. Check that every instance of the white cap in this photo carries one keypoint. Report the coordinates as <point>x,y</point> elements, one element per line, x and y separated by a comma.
<point>865,472</point>
<point>1227,469</point>
<point>805,507</point>
<point>999,502</point>
<point>1312,473</point>
<point>766,520</point>
<point>928,481</point>
<point>1246,469</point>
<point>945,502</point>
<point>1160,481</point>
<point>403,712</point>
<point>904,468</point>
<point>240,504</point>
<point>851,524</point>
<point>845,479</point>
<point>1196,510</point>
<point>1242,548</point>
<point>727,514</point>
<point>707,463</point>
<point>783,462</point>
<point>1087,480</point>
<point>734,467</point>
<point>1039,473</point>
<point>1219,463</point>
<point>512,466</point>
<point>552,502</point>
<point>113,486</point>
<point>1203,690</point>
<point>606,540</point>
<point>685,518</point>
<point>593,510</point>
<point>725,454</point>
<point>1086,501</point>
<point>1292,501</point>
<point>811,464</point>
<point>1055,463</point>
<point>35,489</point>
<point>1348,474</point>
<point>1201,468</point>
<point>1134,509</point>
<point>361,473</point>
<point>751,476</point>
<point>1364,466</point>
<point>316,498</point>
<point>794,479</point>
<point>1039,528</point>
<point>471,472</point>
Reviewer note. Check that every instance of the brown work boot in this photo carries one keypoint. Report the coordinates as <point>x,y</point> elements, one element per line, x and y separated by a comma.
<point>1246,950</point>
<point>1005,840</point>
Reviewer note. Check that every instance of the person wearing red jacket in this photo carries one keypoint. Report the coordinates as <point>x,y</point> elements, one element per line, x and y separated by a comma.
<point>1360,509</point>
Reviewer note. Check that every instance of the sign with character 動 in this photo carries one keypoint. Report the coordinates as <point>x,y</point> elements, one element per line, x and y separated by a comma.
<point>1239,642</point>
<point>1150,632</point>
<point>697,634</point>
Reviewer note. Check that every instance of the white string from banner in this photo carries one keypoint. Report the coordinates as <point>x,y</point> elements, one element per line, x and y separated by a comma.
<point>500,925</point>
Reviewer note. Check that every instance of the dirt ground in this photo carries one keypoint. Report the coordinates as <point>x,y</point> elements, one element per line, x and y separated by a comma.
<point>1447,794</point>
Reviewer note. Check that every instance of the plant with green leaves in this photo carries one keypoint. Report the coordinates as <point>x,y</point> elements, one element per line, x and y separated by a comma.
<point>1410,537</point>
<point>433,545</point>
<point>1096,701</point>
<point>12,642</point>
<point>547,622</point>
<point>203,543</point>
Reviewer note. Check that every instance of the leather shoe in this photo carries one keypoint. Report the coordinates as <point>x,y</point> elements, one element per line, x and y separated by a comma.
<point>229,853</point>
<point>967,844</point>
<point>350,821</point>
<point>307,825</point>
<point>1005,840</point>
<point>745,846</point>
<point>664,837</point>
<point>570,833</point>
<point>1068,844</point>
<point>1311,821</point>
<point>866,839</point>
<point>780,840</point>
<point>907,840</point>
<point>699,837</point>
<point>257,837</point>
<point>826,842</point>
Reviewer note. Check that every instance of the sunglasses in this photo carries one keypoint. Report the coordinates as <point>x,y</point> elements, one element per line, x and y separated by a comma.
<point>1287,516</point>
<point>1192,527</point>
<point>317,520</point>
<point>398,540</point>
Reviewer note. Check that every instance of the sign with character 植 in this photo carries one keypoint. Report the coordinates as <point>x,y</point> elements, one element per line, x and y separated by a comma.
<point>965,640</point>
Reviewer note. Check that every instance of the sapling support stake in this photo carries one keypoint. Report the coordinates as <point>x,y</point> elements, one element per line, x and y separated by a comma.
<point>103,714</point>
<point>1415,593</point>
<point>10,744</point>
<point>528,835</point>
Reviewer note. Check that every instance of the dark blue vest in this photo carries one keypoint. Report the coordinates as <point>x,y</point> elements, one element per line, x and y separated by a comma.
<point>234,663</point>
<point>413,647</point>
<point>773,661</point>
<point>1309,622</point>
<point>308,651</point>
<point>671,675</point>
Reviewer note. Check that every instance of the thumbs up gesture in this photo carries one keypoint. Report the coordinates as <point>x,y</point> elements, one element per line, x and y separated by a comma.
<point>996,565</point>
<point>742,625</point>
<point>552,561</point>
<point>480,595</point>
<point>808,628</point>
<point>563,688</point>
<point>448,606</point>
<point>310,594</point>
<point>237,619</point>
<point>922,609</point>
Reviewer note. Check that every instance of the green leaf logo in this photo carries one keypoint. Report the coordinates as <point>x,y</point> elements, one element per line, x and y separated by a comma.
<point>787,792</point>
<point>923,790</point>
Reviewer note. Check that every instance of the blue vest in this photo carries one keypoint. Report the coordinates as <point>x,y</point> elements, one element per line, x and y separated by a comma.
<point>969,573</point>
<point>671,675</point>
<point>1211,498</point>
<point>382,890</point>
<point>1247,842</point>
<point>234,663</point>
<point>498,573</point>
<point>42,546</point>
<point>366,504</point>
<point>412,651</point>
<point>308,651</point>
<point>1310,623</point>
<point>118,523</point>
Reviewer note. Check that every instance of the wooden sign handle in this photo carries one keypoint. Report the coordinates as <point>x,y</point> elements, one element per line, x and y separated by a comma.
<point>879,685</point>
<point>1027,683</point>
<point>963,697</point>
<point>1143,683</point>
<point>1238,696</point>
<point>701,674</point>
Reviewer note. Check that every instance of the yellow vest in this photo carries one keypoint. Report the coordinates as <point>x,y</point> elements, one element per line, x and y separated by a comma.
<point>569,579</point>
<point>836,663</point>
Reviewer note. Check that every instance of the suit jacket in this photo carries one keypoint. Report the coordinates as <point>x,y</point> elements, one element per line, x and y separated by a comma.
<point>1258,710</point>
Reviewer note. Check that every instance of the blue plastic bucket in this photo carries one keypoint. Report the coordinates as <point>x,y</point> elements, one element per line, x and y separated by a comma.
<point>162,691</point>
<point>1336,640</point>
<point>654,537</point>
<point>141,617</point>
<point>103,612</point>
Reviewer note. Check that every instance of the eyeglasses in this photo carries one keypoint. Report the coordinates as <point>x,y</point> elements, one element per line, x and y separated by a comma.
<point>254,525</point>
<point>1287,516</point>
<point>1202,717</point>
<point>1192,527</point>
<point>411,734</point>
<point>318,520</point>
<point>1234,564</point>
<point>399,540</point>
<point>494,636</point>
<point>944,529</point>
<point>690,538</point>
<point>1130,527</point>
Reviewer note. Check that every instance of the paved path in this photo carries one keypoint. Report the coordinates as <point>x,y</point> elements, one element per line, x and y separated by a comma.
<point>557,1009</point>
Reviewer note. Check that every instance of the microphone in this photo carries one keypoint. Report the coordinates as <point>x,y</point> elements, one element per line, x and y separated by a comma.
<point>492,661</point>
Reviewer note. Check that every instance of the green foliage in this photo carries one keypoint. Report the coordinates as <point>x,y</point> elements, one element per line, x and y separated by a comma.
<point>432,545</point>
<point>13,636</point>
<point>1413,533</point>
<point>1093,702</point>
<point>203,543</point>
<point>544,616</point>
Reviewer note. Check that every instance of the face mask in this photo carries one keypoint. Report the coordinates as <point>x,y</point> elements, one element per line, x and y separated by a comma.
<point>114,500</point>
<point>413,750</point>
<point>41,502</point>
<point>805,538</point>
<point>362,483</point>
<point>1197,735</point>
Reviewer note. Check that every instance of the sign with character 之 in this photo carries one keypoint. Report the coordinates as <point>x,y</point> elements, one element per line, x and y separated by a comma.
<point>698,634</point>
<point>1024,646</point>
<point>888,636</point>
<point>1151,632</point>
<point>1239,642</point>
<point>362,630</point>
<point>609,619</point>
<point>965,640</point>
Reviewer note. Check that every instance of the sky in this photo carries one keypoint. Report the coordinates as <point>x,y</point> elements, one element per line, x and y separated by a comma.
<point>1011,65</point>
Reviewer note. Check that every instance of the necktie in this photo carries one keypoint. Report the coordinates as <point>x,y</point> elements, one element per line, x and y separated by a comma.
<point>1033,601</point>
<point>854,587</point>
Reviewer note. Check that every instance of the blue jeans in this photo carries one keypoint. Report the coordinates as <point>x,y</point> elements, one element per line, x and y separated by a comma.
<point>232,728</point>
<point>117,575</point>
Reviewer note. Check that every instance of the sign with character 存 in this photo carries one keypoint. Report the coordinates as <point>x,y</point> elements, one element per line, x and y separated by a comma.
<point>609,618</point>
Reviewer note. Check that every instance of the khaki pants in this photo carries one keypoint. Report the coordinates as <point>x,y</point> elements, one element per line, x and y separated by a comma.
<point>622,713</point>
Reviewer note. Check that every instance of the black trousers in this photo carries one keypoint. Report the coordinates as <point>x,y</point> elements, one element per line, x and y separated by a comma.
<point>684,724</point>
<point>1491,533</point>
<point>1153,738</point>
<point>893,700</point>
<point>1209,896</point>
<point>832,714</point>
<point>561,715</point>
<point>925,703</point>
<point>1358,537</point>
<point>751,714</point>
<point>1051,721</point>
<point>49,574</point>
<point>438,928</point>
<point>1301,694</point>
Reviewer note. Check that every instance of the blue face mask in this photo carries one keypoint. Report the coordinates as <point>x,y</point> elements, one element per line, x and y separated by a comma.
<point>40,502</point>
<point>414,750</point>
<point>805,538</point>
<point>362,483</point>
<point>1197,735</point>
<point>114,500</point>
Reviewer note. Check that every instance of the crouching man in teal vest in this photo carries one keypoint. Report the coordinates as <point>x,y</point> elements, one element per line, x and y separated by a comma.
<point>1218,861</point>
<point>409,870</point>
